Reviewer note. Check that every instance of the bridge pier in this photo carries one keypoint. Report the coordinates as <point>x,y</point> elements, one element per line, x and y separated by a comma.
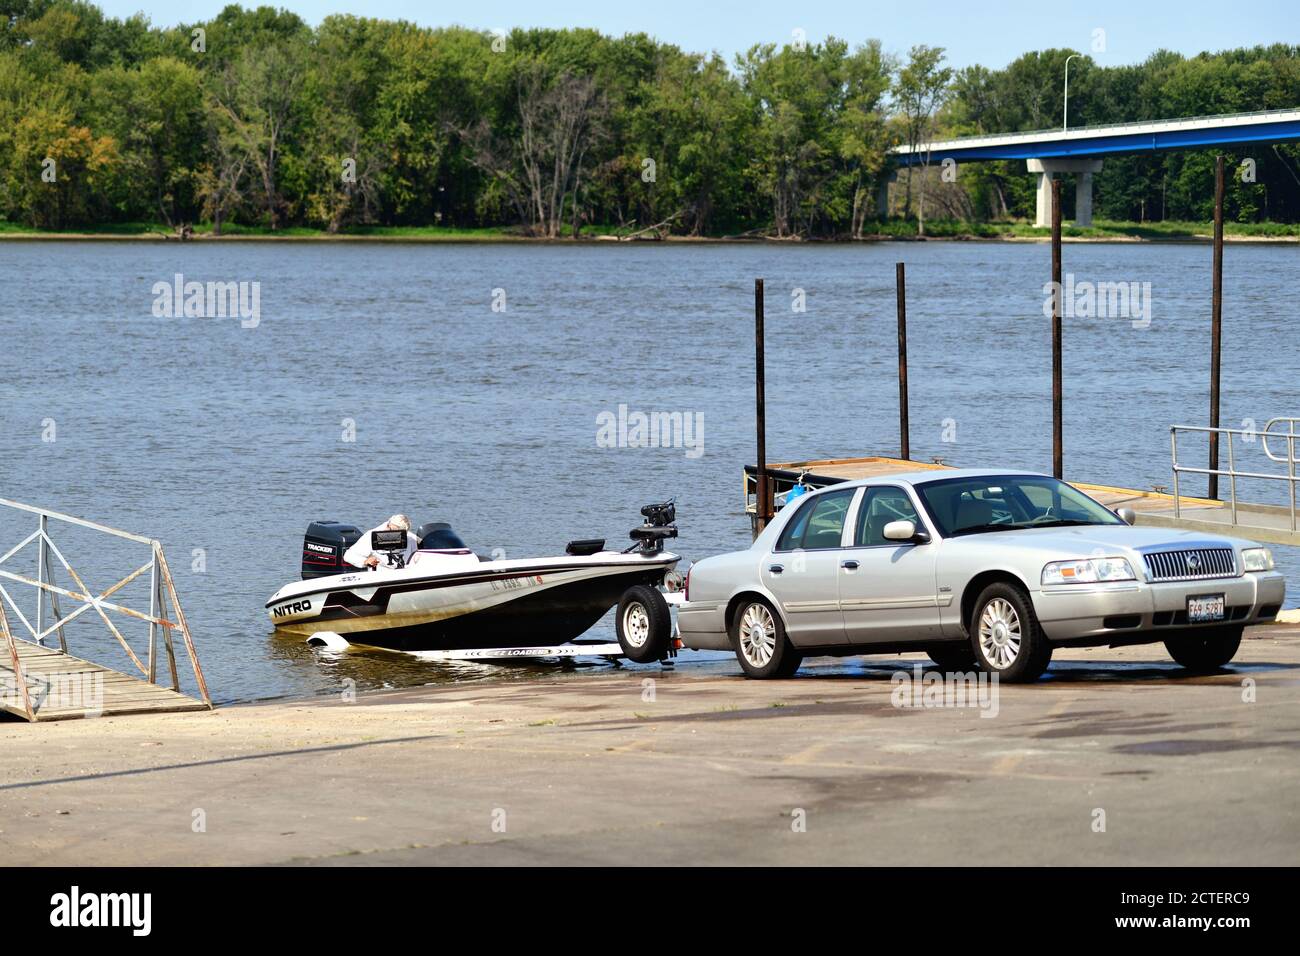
<point>882,194</point>
<point>1047,169</point>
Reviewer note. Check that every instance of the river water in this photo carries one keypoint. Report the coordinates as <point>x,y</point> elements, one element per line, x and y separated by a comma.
<point>467,383</point>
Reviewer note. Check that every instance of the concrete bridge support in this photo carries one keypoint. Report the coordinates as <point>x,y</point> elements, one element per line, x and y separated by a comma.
<point>882,193</point>
<point>1047,169</point>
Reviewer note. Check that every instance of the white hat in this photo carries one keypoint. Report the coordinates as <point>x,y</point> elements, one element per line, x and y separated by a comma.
<point>400,522</point>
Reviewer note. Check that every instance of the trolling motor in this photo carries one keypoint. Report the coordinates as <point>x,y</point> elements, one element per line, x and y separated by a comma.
<point>659,525</point>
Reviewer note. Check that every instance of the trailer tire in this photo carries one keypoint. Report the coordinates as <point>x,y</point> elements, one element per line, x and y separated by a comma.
<point>644,624</point>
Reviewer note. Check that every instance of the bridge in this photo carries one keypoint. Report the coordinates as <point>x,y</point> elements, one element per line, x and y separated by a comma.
<point>1049,153</point>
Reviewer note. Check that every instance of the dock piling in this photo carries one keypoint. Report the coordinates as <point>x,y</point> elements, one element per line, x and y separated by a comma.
<point>1216,326</point>
<point>900,281</point>
<point>763,501</point>
<point>1058,454</point>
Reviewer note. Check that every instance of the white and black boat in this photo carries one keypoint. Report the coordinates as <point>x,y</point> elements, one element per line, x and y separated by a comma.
<point>447,598</point>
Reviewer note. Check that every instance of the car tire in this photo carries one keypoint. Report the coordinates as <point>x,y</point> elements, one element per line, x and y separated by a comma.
<point>1205,650</point>
<point>758,637</point>
<point>644,624</point>
<point>953,656</point>
<point>1006,637</point>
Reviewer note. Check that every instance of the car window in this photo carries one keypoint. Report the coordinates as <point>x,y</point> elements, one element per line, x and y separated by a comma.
<point>819,523</point>
<point>879,507</point>
<point>1006,502</point>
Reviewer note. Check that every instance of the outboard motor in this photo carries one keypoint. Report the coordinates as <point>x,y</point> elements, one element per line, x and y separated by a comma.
<point>323,548</point>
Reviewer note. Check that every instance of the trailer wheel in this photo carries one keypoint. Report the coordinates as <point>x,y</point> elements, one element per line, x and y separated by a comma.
<point>645,624</point>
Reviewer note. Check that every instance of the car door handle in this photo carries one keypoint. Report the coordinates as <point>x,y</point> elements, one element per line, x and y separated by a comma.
<point>776,568</point>
<point>849,565</point>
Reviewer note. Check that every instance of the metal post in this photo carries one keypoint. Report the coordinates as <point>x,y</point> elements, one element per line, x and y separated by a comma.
<point>1065,117</point>
<point>1291,472</point>
<point>1058,454</point>
<point>1173,456</point>
<point>185,632</point>
<point>154,607</point>
<point>1216,324</point>
<point>904,440</point>
<point>762,501</point>
<point>1232,476</point>
<point>54,604</point>
<point>16,663</point>
<point>40,576</point>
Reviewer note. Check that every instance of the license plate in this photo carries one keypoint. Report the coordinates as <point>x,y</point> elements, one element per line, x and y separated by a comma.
<point>1205,607</point>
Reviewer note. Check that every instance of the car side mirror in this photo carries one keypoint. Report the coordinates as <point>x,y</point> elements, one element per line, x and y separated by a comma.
<point>905,531</point>
<point>1127,515</point>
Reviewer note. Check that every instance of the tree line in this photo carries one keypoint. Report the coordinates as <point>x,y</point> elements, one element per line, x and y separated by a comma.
<point>255,118</point>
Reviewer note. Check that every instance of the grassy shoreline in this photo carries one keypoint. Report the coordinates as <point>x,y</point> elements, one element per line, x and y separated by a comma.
<point>890,231</point>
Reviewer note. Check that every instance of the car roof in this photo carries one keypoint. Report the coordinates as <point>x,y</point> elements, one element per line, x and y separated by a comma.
<point>928,476</point>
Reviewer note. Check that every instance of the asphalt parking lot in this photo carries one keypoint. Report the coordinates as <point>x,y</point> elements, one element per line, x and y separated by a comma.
<point>1117,757</point>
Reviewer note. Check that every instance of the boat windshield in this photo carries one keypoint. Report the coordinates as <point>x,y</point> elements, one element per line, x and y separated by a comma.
<point>961,506</point>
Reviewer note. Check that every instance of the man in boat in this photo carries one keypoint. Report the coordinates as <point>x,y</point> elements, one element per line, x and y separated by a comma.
<point>361,555</point>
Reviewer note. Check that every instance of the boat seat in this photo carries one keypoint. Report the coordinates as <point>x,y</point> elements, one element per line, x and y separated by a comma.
<point>438,536</point>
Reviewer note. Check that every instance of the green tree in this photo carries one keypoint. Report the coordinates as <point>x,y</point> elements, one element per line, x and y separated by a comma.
<point>921,88</point>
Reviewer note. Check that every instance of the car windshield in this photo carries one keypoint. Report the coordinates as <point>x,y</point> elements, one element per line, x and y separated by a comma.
<point>960,506</point>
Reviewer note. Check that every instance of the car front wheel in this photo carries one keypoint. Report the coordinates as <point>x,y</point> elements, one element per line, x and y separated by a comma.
<point>1005,635</point>
<point>758,637</point>
<point>1203,651</point>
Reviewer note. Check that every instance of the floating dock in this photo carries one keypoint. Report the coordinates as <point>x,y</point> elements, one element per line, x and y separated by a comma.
<point>62,687</point>
<point>40,682</point>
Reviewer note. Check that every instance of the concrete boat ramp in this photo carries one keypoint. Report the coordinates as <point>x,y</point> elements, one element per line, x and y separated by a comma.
<point>1116,757</point>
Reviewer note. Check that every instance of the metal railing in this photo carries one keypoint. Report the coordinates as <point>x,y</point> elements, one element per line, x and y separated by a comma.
<point>162,591</point>
<point>1232,473</point>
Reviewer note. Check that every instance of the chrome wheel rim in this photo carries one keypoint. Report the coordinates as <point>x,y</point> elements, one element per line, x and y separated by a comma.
<point>1000,633</point>
<point>636,625</point>
<point>757,635</point>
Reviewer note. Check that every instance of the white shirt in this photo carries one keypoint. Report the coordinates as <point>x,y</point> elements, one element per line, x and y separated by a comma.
<point>359,552</point>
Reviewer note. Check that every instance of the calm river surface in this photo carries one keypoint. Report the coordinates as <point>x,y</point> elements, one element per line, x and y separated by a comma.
<point>224,442</point>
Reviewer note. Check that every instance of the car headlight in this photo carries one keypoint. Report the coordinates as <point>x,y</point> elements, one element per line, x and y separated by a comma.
<point>1088,571</point>
<point>1257,559</point>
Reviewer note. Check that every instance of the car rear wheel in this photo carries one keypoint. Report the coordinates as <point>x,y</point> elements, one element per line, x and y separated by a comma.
<point>645,624</point>
<point>1005,635</point>
<point>952,656</point>
<point>759,640</point>
<point>1205,650</point>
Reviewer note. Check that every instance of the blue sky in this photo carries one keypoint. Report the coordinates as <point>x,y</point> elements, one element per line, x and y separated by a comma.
<point>989,32</point>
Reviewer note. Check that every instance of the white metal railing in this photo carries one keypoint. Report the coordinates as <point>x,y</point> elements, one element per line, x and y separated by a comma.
<point>162,591</point>
<point>1232,473</point>
<point>1289,434</point>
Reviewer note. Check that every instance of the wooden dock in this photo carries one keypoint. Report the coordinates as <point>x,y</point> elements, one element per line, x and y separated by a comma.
<point>1265,523</point>
<point>62,687</point>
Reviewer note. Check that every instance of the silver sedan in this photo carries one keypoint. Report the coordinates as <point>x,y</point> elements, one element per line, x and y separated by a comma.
<point>978,568</point>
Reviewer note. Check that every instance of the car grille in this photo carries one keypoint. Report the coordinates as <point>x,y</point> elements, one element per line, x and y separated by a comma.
<point>1191,565</point>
